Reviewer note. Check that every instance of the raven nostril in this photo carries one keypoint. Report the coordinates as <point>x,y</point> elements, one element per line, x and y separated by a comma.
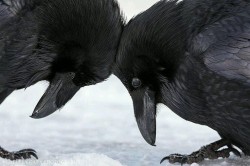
<point>136,82</point>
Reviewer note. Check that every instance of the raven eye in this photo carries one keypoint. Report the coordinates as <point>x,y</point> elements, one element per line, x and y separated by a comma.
<point>136,82</point>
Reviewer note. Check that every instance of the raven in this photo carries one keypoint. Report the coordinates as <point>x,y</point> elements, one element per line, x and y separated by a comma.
<point>194,57</point>
<point>69,43</point>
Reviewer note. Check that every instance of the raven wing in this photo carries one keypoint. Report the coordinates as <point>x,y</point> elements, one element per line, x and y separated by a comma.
<point>8,10</point>
<point>22,61</point>
<point>225,48</point>
<point>26,57</point>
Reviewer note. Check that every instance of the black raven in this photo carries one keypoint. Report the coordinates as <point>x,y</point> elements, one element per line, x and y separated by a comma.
<point>194,57</point>
<point>70,43</point>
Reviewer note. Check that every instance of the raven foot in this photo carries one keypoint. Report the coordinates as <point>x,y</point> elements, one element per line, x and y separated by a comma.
<point>210,151</point>
<point>22,154</point>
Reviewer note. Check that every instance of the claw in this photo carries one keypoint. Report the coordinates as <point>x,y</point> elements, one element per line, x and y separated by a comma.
<point>207,152</point>
<point>34,155</point>
<point>26,150</point>
<point>22,154</point>
<point>235,151</point>
<point>27,153</point>
<point>165,158</point>
<point>174,157</point>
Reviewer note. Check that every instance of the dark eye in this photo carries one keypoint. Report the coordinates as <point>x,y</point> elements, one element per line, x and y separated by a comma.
<point>136,82</point>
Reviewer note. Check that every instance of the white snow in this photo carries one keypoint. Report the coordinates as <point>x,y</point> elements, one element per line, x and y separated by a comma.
<point>98,128</point>
<point>91,159</point>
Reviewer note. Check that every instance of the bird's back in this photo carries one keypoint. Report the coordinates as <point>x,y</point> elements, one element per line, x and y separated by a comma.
<point>218,70</point>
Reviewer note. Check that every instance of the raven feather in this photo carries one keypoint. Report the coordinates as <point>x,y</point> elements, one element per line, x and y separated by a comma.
<point>70,43</point>
<point>192,56</point>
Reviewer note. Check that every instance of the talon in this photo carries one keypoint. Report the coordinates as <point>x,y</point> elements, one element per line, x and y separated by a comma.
<point>235,151</point>
<point>207,152</point>
<point>34,155</point>
<point>27,153</point>
<point>22,154</point>
<point>27,150</point>
<point>165,158</point>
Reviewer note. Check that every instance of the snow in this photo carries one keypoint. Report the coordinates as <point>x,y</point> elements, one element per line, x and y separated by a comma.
<point>97,127</point>
<point>68,160</point>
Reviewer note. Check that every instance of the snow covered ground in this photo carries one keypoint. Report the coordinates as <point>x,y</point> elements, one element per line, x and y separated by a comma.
<point>98,128</point>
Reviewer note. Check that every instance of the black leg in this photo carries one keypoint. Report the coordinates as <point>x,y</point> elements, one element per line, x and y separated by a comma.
<point>210,151</point>
<point>22,154</point>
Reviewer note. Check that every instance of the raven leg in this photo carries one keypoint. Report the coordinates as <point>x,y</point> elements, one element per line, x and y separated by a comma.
<point>22,154</point>
<point>210,151</point>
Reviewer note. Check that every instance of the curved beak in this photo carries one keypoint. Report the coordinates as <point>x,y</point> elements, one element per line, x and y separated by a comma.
<point>59,92</point>
<point>145,113</point>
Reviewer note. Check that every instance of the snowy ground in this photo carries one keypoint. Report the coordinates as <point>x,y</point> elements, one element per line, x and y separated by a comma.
<point>97,128</point>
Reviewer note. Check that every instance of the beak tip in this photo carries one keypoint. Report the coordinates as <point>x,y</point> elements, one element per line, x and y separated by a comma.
<point>37,115</point>
<point>34,116</point>
<point>148,132</point>
<point>153,143</point>
<point>150,141</point>
<point>145,113</point>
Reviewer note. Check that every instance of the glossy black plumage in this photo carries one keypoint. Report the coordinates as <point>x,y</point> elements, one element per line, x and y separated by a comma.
<point>73,41</point>
<point>194,55</point>
<point>70,43</point>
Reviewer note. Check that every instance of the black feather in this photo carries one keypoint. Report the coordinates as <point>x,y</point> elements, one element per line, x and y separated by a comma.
<point>195,56</point>
<point>47,39</point>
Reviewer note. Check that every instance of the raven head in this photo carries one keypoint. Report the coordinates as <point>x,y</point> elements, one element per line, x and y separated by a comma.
<point>84,36</point>
<point>137,75</point>
<point>79,39</point>
<point>146,61</point>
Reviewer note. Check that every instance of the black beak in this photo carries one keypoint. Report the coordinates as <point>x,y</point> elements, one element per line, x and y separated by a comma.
<point>145,113</point>
<point>59,92</point>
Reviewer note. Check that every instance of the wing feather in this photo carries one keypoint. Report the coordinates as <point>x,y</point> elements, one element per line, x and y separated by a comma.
<point>225,48</point>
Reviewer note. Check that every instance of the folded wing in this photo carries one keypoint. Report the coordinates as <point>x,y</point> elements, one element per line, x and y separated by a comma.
<point>225,48</point>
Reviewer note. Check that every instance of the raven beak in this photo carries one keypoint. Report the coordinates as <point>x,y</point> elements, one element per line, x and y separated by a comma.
<point>59,92</point>
<point>145,113</point>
